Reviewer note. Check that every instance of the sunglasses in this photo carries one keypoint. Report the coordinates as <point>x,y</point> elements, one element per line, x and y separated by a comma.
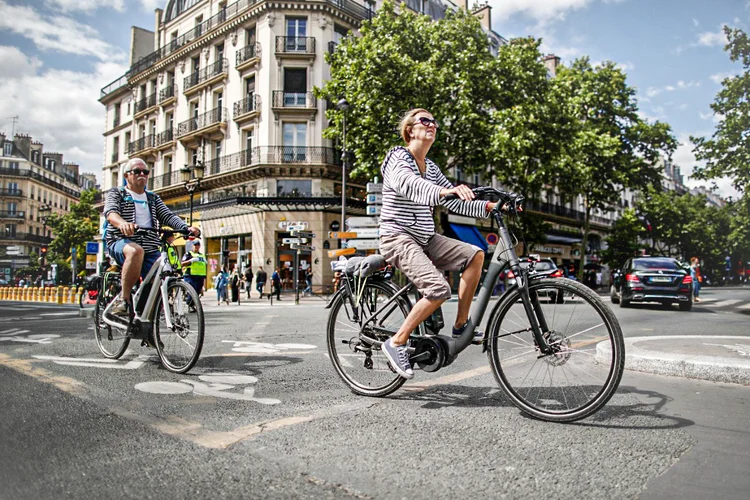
<point>427,121</point>
<point>139,171</point>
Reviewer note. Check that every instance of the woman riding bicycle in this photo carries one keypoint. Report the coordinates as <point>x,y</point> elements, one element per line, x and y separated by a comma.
<point>412,185</point>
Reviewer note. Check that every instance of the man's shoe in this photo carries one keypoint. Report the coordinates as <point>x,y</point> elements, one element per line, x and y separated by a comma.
<point>478,336</point>
<point>119,308</point>
<point>398,356</point>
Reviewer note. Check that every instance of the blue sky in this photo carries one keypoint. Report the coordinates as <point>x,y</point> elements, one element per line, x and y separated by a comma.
<point>55,55</point>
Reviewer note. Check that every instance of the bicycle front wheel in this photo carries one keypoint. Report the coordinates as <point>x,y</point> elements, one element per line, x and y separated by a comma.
<point>179,346</point>
<point>588,354</point>
<point>360,363</point>
<point>112,342</point>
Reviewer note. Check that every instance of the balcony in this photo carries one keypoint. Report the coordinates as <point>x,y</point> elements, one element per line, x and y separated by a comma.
<point>208,122</point>
<point>332,47</point>
<point>165,139</point>
<point>247,57</point>
<point>303,104</point>
<point>11,192</point>
<point>295,47</point>
<point>167,95</point>
<point>165,180</point>
<point>36,238</point>
<point>144,105</point>
<point>247,108</point>
<point>114,86</point>
<point>14,214</point>
<point>205,77</point>
<point>142,145</point>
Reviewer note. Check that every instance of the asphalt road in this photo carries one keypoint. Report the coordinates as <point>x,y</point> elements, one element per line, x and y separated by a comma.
<point>263,415</point>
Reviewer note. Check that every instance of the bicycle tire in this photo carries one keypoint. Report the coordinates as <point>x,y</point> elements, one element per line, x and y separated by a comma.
<point>188,328</point>
<point>360,365</point>
<point>590,349</point>
<point>112,342</point>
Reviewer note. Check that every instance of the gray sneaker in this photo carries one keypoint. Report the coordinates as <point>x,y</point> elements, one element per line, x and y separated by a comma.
<point>399,358</point>
<point>119,308</point>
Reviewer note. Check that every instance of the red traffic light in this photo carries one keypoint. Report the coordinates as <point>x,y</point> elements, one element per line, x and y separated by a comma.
<point>43,250</point>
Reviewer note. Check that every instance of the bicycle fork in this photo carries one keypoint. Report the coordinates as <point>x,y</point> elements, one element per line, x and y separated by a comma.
<point>534,312</point>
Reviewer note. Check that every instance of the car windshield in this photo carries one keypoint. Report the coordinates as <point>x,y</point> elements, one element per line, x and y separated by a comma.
<point>542,265</point>
<point>655,265</point>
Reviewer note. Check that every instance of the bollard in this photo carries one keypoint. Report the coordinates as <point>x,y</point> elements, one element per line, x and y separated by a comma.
<point>59,295</point>
<point>79,292</point>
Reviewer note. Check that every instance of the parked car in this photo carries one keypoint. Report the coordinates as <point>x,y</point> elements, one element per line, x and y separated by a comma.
<point>542,267</point>
<point>653,279</point>
<point>3,282</point>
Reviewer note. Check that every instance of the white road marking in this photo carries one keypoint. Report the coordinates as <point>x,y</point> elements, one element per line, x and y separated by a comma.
<point>115,364</point>
<point>60,314</point>
<point>725,303</point>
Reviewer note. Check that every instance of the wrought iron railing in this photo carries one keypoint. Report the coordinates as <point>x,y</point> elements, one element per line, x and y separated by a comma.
<point>247,53</point>
<point>246,105</point>
<point>274,155</point>
<point>216,115</point>
<point>145,103</point>
<point>165,137</point>
<point>295,44</point>
<point>145,142</point>
<point>115,85</point>
<point>282,99</point>
<point>168,92</point>
<point>165,180</point>
<point>11,192</point>
<point>205,74</point>
<point>12,214</point>
<point>37,238</point>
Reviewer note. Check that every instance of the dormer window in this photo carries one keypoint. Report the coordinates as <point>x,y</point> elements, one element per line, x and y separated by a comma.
<point>8,149</point>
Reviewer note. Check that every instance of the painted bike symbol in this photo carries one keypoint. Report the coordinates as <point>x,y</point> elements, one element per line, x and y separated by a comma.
<point>217,385</point>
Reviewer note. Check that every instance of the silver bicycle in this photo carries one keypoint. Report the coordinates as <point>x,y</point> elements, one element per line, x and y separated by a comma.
<point>167,314</point>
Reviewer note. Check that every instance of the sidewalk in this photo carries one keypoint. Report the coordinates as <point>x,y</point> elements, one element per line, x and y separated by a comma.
<point>718,358</point>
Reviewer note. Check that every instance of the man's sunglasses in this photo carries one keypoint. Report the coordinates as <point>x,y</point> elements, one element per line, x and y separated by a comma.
<point>427,121</point>
<point>139,171</point>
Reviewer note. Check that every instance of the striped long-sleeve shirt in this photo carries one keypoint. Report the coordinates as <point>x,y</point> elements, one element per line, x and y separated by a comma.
<point>118,201</point>
<point>408,197</point>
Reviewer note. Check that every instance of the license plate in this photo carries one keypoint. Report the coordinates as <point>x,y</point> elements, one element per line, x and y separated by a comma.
<point>662,279</point>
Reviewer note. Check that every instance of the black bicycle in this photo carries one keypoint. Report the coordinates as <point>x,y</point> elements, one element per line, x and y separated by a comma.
<point>557,359</point>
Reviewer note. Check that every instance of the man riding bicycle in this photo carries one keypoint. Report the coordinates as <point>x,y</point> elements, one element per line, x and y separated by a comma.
<point>126,209</point>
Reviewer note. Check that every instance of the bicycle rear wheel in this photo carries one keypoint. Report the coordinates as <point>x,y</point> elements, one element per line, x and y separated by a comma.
<point>112,342</point>
<point>179,347</point>
<point>587,362</point>
<point>360,364</point>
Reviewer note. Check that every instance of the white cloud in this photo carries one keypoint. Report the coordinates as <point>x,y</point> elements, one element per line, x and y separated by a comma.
<point>14,63</point>
<point>710,39</point>
<point>86,5</point>
<point>685,159</point>
<point>57,107</point>
<point>540,10</point>
<point>152,4</point>
<point>56,33</point>
<point>715,117</point>
<point>653,91</point>
<point>720,77</point>
<point>680,85</point>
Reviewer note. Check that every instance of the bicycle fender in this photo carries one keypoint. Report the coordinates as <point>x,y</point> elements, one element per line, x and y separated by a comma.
<point>340,291</point>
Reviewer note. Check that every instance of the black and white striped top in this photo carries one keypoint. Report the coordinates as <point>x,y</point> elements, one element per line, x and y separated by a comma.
<point>408,197</point>
<point>117,201</point>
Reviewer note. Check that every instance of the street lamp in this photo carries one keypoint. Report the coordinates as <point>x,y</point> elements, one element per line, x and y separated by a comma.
<point>191,178</point>
<point>343,105</point>
<point>47,210</point>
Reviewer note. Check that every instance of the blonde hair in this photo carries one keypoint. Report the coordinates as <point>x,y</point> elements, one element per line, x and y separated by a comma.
<point>407,122</point>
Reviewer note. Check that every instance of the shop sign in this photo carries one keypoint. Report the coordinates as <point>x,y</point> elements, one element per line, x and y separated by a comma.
<point>226,229</point>
<point>548,249</point>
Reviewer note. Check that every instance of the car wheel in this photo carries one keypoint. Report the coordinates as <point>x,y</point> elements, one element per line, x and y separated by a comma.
<point>613,295</point>
<point>624,303</point>
<point>686,306</point>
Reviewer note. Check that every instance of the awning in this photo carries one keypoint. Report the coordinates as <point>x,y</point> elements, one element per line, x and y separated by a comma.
<point>568,240</point>
<point>469,234</point>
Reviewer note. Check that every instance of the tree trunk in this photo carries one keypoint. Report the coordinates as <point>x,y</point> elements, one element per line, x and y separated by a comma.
<point>584,241</point>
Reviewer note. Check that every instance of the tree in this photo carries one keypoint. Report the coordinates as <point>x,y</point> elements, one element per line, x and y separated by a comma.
<point>612,147</point>
<point>623,241</point>
<point>727,153</point>
<point>406,60</point>
<point>74,228</point>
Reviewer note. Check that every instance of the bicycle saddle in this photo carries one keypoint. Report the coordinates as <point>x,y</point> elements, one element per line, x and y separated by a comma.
<point>360,266</point>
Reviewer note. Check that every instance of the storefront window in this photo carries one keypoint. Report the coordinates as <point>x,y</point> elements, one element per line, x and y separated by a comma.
<point>293,188</point>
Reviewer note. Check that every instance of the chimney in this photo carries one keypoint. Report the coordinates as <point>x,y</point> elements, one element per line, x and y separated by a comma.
<point>484,14</point>
<point>551,61</point>
<point>23,143</point>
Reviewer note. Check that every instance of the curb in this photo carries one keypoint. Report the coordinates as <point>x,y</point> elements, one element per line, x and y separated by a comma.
<point>713,368</point>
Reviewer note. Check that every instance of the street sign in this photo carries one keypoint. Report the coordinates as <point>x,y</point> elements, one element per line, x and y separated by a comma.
<point>303,234</point>
<point>297,226</point>
<point>304,248</point>
<point>92,247</point>
<point>90,261</point>
<point>374,187</point>
<point>492,239</point>
<point>373,209</point>
<point>341,251</point>
<point>341,235</point>
<point>293,241</point>
<point>368,232</point>
<point>355,222</point>
<point>364,244</point>
<point>374,199</point>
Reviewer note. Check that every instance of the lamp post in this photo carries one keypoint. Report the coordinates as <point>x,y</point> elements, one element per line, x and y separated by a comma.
<point>191,178</point>
<point>46,209</point>
<point>343,105</point>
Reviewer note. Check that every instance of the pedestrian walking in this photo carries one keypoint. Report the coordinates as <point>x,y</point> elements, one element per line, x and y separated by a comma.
<point>308,281</point>
<point>248,279</point>
<point>276,284</point>
<point>195,266</point>
<point>695,273</point>
<point>234,284</point>
<point>260,281</point>
<point>221,282</point>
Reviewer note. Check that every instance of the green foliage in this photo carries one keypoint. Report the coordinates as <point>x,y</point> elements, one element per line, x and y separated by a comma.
<point>727,152</point>
<point>624,240</point>
<point>74,228</point>
<point>405,61</point>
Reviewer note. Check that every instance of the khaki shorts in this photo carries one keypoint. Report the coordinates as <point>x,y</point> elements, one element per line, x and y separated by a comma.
<point>424,266</point>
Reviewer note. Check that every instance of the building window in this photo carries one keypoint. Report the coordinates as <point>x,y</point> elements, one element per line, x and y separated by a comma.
<point>8,149</point>
<point>167,164</point>
<point>293,188</point>
<point>114,178</point>
<point>339,33</point>
<point>250,36</point>
<point>249,86</point>
<point>295,86</point>
<point>13,165</point>
<point>294,141</point>
<point>12,207</point>
<point>35,157</point>
<point>10,230</point>
<point>249,140</point>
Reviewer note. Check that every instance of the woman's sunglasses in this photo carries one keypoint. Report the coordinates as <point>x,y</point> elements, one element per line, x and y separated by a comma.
<point>427,121</point>
<point>140,171</point>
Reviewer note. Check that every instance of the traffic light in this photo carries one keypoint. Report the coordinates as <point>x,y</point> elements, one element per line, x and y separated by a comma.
<point>43,250</point>
<point>43,255</point>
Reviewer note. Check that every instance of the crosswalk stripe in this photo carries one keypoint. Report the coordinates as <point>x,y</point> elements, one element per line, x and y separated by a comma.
<point>724,303</point>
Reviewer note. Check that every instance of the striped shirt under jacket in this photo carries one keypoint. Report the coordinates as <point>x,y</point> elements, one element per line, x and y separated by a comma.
<point>408,197</point>
<point>160,216</point>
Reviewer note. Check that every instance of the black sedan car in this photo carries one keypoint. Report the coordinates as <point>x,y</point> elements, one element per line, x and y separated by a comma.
<point>653,279</point>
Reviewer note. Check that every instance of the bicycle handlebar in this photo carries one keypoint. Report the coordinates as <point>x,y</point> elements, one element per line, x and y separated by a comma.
<point>166,232</point>
<point>512,200</point>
